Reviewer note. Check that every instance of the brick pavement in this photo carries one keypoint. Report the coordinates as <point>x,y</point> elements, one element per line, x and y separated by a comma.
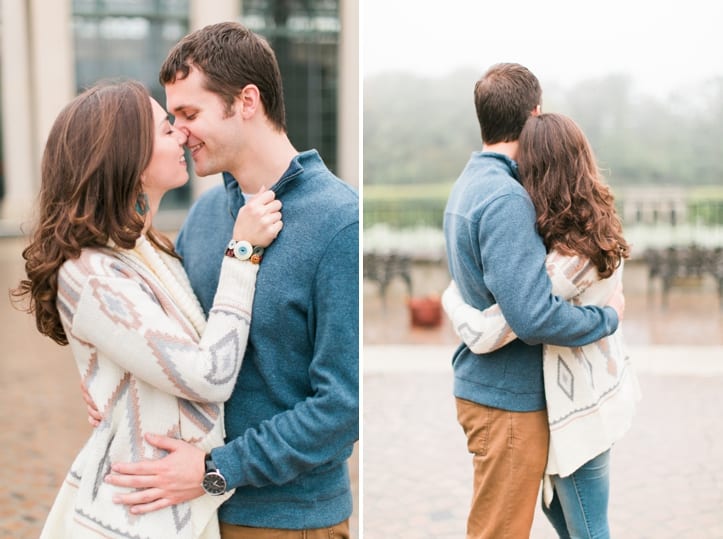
<point>667,473</point>
<point>41,413</point>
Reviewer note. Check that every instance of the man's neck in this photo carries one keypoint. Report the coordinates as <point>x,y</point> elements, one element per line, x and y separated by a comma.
<point>505,148</point>
<point>264,162</point>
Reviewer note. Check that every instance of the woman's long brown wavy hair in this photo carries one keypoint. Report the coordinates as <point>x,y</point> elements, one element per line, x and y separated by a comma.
<point>97,149</point>
<point>575,209</point>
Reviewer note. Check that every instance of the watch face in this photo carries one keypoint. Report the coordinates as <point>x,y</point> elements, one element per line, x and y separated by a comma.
<point>214,483</point>
<point>242,250</point>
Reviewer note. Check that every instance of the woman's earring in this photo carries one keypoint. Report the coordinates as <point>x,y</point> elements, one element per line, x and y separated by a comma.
<point>142,204</point>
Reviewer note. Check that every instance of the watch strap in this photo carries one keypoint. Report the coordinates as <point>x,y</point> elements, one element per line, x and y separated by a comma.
<point>209,463</point>
<point>243,250</point>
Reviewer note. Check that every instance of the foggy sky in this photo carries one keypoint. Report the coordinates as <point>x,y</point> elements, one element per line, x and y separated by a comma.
<point>663,46</point>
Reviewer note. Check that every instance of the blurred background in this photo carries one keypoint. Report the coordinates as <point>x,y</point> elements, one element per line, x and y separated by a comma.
<point>49,52</point>
<point>644,80</point>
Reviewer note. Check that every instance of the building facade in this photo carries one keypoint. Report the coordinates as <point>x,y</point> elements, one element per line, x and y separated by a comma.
<point>50,51</point>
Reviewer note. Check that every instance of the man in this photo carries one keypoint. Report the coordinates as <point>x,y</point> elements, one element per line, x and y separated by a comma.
<point>496,256</point>
<point>293,417</point>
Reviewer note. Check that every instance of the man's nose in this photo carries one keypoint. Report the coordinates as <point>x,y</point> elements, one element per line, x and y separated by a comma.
<point>179,123</point>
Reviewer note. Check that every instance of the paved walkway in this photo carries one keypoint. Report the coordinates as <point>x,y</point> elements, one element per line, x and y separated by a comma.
<point>667,473</point>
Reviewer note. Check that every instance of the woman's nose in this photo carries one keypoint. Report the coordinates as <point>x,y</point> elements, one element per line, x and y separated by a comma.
<point>181,136</point>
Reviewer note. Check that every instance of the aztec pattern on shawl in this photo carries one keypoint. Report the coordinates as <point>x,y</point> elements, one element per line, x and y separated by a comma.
<point>149,372</point>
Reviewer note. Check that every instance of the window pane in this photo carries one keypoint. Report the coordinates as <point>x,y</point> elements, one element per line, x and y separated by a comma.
<point>305,37</point>
<point>128,39</point>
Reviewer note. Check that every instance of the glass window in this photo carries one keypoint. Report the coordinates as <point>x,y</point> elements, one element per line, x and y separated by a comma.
<point>129,39</point>
<point>305,37</point>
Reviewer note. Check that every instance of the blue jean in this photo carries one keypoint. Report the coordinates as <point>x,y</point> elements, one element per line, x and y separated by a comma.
<point>579,508</point>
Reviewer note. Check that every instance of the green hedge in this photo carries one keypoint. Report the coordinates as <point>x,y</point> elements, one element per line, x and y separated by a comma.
<point>404,213</point>
<point>706,212</point>
<point>409,206</point>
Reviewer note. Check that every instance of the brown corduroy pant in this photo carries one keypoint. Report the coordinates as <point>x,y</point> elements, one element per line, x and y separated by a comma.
<point>509,456</point>
<point>229,531</point>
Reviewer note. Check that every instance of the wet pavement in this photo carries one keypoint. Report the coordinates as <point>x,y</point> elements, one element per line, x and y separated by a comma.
<point>42,416</point>
<point>666,473</point>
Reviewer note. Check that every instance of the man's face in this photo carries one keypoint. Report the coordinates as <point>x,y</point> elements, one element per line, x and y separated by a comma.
<point>214,136</point>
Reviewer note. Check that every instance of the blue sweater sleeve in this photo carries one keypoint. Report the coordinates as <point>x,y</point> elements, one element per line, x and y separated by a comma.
<point>513,257</point>
<point>322,428</point>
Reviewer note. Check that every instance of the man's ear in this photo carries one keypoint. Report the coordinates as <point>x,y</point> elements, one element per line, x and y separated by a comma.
<point>249,101</point>
<point>537,110</point>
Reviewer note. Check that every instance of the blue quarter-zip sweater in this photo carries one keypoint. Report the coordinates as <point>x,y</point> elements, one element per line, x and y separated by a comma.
<point>496,256</point>
<point>293,417</point>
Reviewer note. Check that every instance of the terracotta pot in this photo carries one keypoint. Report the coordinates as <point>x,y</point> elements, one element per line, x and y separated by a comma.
<point>425,311</point>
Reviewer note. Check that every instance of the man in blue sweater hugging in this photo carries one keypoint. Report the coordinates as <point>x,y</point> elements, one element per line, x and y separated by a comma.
<point>292,419</point>
<point>496,256</point>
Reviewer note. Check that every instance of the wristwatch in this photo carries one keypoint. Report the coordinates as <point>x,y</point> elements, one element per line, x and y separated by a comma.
<point>214,483</point>
<point>243,250</point>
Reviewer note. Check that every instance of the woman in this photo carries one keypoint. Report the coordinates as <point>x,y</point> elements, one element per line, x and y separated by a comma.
<point>590,391</point>
<point>102,280</point>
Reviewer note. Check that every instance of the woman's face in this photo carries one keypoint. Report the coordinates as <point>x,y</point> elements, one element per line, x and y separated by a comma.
<point>167,168</point>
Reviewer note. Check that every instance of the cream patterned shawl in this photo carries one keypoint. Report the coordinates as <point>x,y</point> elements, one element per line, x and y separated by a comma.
<point>152,365</point>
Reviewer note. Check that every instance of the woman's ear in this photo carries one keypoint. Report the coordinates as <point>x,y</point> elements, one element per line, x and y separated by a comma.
<point>249,100</point>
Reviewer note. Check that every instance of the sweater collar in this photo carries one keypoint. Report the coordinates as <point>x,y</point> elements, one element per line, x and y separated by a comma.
<point>303,161</point>
<point>504,159</point>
